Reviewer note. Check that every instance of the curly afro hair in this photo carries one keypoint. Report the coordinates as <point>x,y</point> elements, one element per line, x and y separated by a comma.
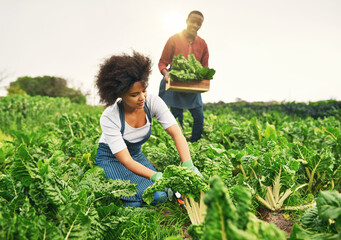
<point>119,72</point>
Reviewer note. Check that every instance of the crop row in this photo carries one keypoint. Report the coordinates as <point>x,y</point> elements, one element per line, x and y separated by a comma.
<point>54,191</point>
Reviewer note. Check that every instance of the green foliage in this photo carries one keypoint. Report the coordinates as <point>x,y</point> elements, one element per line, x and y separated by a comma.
<point>14,90</point>
<point>179,179</point>
<point>315,110</point>
<point>185,70</point>
<point>322,221</point>
<point>52,188</point>
<point>226,220</point>
<point>211,159</point>
<point>46,86</point>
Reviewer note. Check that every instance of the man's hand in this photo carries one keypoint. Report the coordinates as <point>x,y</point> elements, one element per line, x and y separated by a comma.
<point>165,74</point>
<point>167,78</point>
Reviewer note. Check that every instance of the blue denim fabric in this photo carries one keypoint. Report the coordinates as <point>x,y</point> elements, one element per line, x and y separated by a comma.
<point>198,120</point>
<point>159,197</point>
<point>131,203</point>
<point>184,100</point>
<point>179,114</point>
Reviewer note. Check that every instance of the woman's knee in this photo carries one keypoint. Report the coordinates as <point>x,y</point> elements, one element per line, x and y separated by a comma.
<point>131,203</point>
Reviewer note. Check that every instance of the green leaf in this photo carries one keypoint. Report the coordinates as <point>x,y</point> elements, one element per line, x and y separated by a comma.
<point>94,181</point>
<point>191,69</point>
<point>75,224</point>
<point>226,220</point>
<point>24,169</point>
<point>179,179</point>
<point>329,205</point>
<point>270,132</point>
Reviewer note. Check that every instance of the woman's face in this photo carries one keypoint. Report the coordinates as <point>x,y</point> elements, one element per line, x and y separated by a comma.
<point>135,98</point>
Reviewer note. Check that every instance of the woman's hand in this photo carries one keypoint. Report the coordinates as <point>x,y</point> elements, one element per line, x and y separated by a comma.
<point>156,176</point>
<point>189,164</point>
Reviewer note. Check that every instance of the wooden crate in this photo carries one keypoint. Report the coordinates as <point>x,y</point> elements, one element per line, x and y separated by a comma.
<point>193,86</point>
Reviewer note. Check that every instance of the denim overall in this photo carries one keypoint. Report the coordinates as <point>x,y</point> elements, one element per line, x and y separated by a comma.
<point>116,170</point>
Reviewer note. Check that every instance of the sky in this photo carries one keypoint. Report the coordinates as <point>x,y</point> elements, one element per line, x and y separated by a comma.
<point>262,50</point>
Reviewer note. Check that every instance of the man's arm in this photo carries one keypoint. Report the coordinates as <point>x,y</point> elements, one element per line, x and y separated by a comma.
<point>205,56</point>
<point>166,56</point>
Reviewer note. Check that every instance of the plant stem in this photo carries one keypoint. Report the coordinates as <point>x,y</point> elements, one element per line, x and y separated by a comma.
<point>222,223</point>
<point>242,169</point>
<point>311,179</point>
<point>265,203</point>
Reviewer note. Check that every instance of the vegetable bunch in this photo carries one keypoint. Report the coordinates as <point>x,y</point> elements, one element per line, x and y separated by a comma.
<point>185,70</point>
<point>179,179</point>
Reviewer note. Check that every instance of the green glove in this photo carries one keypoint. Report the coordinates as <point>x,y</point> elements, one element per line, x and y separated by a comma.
<point>170,193</point>
<point>156,176</point>
<point>189,164</point>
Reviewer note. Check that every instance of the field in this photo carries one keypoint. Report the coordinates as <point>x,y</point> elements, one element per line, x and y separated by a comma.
<point>270,171</point>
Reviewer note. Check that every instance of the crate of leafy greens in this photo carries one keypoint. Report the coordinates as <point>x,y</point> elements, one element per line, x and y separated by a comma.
<point>189,75</point>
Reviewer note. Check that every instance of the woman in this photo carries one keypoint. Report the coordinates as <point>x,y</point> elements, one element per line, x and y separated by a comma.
<point>126,124</point>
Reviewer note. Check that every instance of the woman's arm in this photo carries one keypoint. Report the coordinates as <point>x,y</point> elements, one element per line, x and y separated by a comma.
<point>125,158</point>
<point>180,142</point>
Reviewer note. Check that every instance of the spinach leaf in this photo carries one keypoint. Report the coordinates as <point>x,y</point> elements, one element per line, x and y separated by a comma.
<point>185,70</point>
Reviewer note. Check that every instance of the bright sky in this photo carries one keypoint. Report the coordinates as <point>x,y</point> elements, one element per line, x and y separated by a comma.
<point>262,50</point>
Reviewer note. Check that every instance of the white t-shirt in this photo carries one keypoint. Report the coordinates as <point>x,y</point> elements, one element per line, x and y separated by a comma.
<point>111,124</point>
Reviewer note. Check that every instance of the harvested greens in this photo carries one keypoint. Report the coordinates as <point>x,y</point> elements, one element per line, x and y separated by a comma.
<point>185,70</point>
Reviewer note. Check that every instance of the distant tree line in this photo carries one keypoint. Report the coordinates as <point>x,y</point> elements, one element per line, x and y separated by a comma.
<point>318,109</point>
<point>45,86</point>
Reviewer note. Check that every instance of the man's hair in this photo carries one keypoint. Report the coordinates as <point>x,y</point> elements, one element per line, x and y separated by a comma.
<point>119,72</point>
<point>195,12</point>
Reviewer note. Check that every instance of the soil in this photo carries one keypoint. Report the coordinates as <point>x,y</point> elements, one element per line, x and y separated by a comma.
<point>278,219</point>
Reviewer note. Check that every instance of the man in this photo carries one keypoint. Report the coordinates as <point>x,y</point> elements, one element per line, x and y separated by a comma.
<point>185,42</point>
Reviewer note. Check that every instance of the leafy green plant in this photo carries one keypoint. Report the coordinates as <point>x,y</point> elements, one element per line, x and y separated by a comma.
<point>179,179</point>
<point>323,221</point>
<point>321,167</point>
<point>52,189</point>
<point>184,181</point>
<point>211,159</point>
<point>274,198</point>
<point>191,69</point>
<point>232,219</point>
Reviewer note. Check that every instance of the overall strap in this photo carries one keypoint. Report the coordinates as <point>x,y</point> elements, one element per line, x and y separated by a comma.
<point>121,108</point>
<point>148,113</point>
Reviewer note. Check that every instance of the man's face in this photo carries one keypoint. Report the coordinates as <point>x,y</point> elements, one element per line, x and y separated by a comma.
<point>194,22</point>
